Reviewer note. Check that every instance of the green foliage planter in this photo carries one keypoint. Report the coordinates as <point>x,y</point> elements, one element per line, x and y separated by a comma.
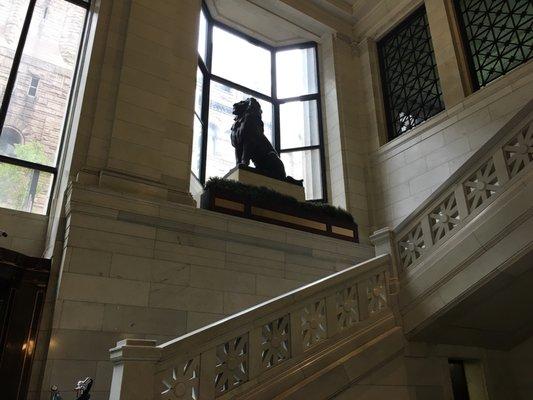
<point>263,204</point>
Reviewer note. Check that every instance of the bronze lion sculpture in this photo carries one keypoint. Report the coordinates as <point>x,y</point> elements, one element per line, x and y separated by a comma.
<point>250,142</point>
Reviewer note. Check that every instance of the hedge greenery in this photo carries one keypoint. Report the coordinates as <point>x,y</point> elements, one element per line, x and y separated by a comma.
<point>266,196</point>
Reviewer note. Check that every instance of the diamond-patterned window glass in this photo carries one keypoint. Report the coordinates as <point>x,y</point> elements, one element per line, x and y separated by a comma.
<point>411,87</point>
<point>498,36</point>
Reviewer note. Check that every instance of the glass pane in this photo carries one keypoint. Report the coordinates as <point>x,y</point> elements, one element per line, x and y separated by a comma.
<point>299,124</point>
<point>24,189</point>
<point>202,36</point>
<point>241,62</point>
<point>220,152</point>
<point>296,73</point>
<point>199,92</point>
<point>49,58</point>
<point>196,147</point>
<point>12,15</point>
<point>305,165</point>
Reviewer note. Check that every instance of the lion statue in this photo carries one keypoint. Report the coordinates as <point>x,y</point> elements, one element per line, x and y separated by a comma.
<point>250,142</point>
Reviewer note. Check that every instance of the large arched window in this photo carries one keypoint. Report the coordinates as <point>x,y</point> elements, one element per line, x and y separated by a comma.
<point>39,46</point>
<point>232,67</point>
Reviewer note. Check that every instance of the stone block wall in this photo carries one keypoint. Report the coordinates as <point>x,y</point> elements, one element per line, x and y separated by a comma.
<point>25,232</point>
<point>144,269</point>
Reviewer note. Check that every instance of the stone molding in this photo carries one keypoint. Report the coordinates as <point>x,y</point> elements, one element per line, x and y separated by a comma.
<point>134,185</point>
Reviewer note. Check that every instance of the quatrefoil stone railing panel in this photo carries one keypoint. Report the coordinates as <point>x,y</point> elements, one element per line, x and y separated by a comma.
<point>347,305</point>
<point>481,185</point>
<point>468,191</point>
<point>444,218</point>
<point>376,292</point>
<point>231,364</point>
<point>412,246</point>
<point>313,328</point>
<point>182,381</point>
<point>518,151</point>
<point>275,342</point>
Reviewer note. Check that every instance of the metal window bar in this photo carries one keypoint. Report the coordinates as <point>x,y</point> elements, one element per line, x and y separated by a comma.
<point>497,36</point>
<point>410,81</point>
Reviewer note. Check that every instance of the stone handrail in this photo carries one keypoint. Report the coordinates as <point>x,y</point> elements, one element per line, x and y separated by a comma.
<point>463,196</point>
<point>234,354</point>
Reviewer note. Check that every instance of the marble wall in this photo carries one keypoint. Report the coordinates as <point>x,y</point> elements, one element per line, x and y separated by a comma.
<point>132,268</point>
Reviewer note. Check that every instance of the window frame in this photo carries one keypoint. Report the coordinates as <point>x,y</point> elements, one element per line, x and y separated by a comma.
<point>33,88</point>
<point>205,67</point>
<point>391,133</point>
<point>10,86</point>
<point>467,54</point>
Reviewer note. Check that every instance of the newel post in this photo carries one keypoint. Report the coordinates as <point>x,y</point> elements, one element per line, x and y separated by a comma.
<point>133,369</point>
<point>384,242</point>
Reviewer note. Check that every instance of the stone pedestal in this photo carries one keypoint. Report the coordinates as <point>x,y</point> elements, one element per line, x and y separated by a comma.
<point>248,176</point>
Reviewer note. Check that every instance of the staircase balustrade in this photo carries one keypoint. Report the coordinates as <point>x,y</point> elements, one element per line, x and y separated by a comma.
<point>249,347</point>
<point>475,185</point>
<point>297,334</point>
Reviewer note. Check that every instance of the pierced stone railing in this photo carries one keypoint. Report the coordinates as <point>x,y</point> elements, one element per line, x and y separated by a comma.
<point>494,167</point>
<point>231,356</point>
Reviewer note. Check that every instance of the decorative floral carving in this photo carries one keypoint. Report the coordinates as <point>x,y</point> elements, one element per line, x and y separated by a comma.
<point>313,323</point>
<point>444,218</point>
<point>347,307</point>
<point>183,383</point>
<point>275,342</point>
<point>232,364</point>
<point>412,246</point>
<point>376,292</point>
<point>519,151</point>
<point>481,185</point>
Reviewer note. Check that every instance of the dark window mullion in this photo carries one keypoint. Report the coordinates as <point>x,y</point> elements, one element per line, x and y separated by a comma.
<point>274,77</point>
<point>10,85</point>
<point>209,44</point>
<point>302,148</point>
<point>27,164</point>
<point>80,3</point>
<point>241,88</point>
<point>202,66</point>
<point>305,97</point>
<point>206,89</point>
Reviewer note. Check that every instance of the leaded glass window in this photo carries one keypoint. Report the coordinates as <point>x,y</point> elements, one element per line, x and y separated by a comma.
<point>498,36</point>
<point>411,87</point>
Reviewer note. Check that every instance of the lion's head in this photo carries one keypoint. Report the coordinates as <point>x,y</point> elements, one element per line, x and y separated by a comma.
<point>246,107</point>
